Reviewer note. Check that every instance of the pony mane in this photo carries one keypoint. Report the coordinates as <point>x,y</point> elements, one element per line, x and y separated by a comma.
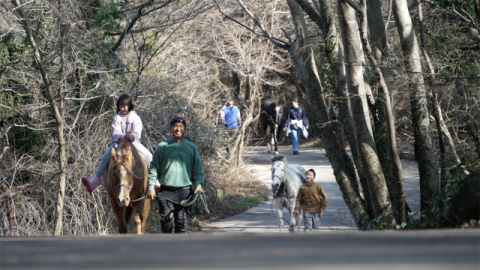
<point>124,145</point>
<point>279,158</point>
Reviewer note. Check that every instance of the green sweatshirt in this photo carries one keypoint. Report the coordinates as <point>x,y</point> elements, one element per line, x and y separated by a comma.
<point>176,165</point>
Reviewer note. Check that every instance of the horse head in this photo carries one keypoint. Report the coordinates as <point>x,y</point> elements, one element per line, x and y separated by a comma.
<point>279,172</point>
<point>278,114</point>
<point>123,175</point>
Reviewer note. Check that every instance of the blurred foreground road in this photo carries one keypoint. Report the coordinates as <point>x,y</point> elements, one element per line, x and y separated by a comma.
<point>440,249</point>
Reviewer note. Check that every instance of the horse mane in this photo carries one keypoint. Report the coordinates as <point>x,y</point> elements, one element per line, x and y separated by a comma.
<point>137,159</point>
<point>279,158</point>
<point>125,144</point>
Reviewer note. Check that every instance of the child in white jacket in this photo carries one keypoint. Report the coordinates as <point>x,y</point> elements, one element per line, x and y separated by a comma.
<point>125,123</point>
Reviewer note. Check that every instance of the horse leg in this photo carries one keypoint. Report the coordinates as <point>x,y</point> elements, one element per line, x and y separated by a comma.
<point>144,215</point>
<point>279,209</point>
<point>128,214</point>
<point>268,132</point>
<point>292,218</point>
<point>138,223</point>
<point>276,146</point>
<point>120,215</point>
<point>273,142</point>
<point>300,218</point>
<point>269,145</point>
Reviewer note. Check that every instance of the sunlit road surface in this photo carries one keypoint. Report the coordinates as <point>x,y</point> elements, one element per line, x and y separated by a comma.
<point>440,249</point>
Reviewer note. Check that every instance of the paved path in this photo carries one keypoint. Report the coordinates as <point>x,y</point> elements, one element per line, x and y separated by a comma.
<point>336,217</point>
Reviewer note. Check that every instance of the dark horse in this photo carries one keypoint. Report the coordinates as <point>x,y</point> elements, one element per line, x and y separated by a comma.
<point>272,121</point>
<point>126,184</point>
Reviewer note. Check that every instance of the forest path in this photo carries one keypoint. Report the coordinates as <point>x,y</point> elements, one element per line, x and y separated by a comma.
<point>337,217</point>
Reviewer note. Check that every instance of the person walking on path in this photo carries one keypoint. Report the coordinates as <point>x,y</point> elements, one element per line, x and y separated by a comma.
<point>231,117</point>
<point>177,165</point>
<point>314,201</point>
<point>126,124</point>
<point>297,122</point>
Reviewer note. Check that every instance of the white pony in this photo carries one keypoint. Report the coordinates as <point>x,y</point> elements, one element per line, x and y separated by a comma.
<point>286,181</point>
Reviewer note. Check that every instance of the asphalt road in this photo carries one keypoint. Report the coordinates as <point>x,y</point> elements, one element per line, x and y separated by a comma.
<point>446,249</point>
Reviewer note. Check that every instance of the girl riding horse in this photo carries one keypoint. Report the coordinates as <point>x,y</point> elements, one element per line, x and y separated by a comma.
<point>126,123</point>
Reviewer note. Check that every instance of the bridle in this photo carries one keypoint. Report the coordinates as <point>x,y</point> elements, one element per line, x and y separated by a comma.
<point>131,174</point>
<point>278,119</point>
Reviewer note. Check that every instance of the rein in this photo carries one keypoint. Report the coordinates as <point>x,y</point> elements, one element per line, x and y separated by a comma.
<point>130,187</point>
<point>275,135</point>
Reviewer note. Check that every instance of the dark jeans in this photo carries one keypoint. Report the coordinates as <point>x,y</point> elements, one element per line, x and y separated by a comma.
<point>171,213</point>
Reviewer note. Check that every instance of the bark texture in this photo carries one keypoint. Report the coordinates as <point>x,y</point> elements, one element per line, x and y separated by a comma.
<point>338,157</point>
<point>389,158</point>
<point>424,154</point>
<point>363,129</point>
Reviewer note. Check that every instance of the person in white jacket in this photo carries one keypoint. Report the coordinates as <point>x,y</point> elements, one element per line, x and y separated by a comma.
<point>297,122</point>
<point>125,123</point>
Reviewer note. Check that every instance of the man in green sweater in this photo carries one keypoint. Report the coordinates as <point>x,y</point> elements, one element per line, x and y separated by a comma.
<point>314,201</point>
<point>177,165</point>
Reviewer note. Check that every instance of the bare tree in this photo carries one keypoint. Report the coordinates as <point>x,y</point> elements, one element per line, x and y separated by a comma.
<point>363,130</point>
<point>56,106</point>
<point>301,54</point>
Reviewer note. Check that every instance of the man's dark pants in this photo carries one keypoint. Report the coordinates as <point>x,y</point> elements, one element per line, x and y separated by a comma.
<point>171,213</point>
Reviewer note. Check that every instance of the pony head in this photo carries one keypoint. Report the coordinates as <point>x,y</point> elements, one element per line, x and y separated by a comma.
<point>279,171</point>
<point>123,172</point>
<point>278,114</point>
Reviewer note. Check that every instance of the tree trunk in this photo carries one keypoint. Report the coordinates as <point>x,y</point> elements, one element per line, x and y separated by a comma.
<point>236,85</point>
<point>57,115</point>
<point>363,129</point>
<point>424,154</point>
<point>338,157</point>
<point>334,52</point>
<point>391,164</point>
<point>444,136</point>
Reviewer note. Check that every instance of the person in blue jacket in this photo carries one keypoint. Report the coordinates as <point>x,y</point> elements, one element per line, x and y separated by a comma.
<point>231,117</point>
<point>297,123</point>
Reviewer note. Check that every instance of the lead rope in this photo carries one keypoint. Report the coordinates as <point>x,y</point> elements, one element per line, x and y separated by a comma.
<point>187,201</point>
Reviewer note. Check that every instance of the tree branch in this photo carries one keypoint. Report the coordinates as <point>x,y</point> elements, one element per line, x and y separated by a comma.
<point>132,23</point>
<point>278,42</point>
<point>354,6</point>
<point>311,12</point>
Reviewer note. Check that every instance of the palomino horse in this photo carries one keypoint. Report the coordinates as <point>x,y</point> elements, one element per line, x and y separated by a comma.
<point>126,184</point>
<point>272,121</point>
<point>286,181</point>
